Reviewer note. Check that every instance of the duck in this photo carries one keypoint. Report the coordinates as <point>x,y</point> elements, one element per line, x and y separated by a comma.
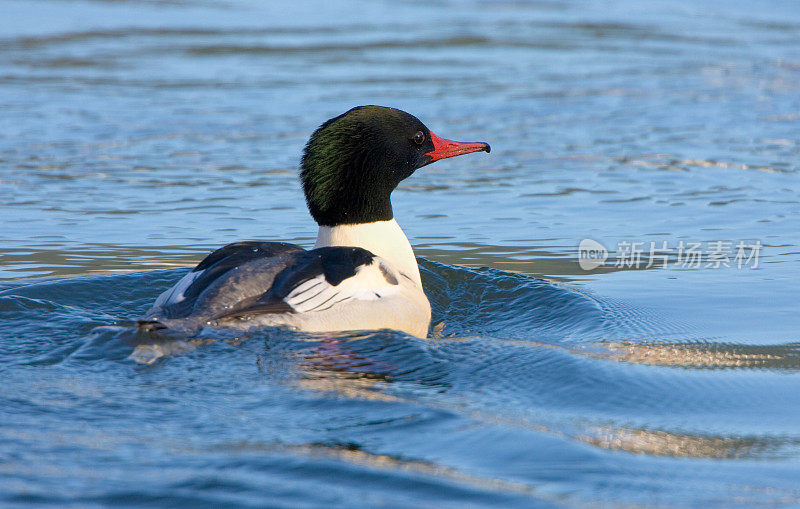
<point>361,274</point>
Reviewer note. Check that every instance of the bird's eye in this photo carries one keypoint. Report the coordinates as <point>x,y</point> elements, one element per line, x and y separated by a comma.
<point>419,138</point>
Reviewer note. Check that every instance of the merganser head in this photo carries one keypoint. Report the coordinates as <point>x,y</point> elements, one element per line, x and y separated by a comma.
<point>353,162</point>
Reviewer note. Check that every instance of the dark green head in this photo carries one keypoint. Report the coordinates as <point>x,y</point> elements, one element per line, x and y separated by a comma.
<point>353,162</point>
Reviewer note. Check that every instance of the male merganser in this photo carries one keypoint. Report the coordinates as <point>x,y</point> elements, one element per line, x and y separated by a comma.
<point>361,274</point>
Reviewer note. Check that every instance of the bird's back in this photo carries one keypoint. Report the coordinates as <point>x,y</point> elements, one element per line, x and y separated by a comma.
<point>250,284</point>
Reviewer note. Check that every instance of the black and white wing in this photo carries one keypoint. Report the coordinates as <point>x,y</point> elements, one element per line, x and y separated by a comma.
<point>321,278</point>
<point>251,279</point>
<point>230,276</point>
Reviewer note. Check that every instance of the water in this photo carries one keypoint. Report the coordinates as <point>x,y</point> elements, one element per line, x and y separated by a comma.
<point>135,136</point>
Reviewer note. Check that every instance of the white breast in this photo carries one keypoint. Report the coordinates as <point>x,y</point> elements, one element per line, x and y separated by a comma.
<point>383,238</point>
<point>403,306</point>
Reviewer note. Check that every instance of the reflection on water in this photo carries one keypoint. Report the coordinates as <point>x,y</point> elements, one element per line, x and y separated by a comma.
<point>331,366</point>
<point>685,445</point>
<point>352,453</point>
<point>449,393</point>
<point>90,259</point>
<point>137,136</point>
<point>708,355</point>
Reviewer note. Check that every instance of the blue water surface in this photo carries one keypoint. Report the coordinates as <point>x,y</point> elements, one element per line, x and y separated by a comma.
<point>136,136</point>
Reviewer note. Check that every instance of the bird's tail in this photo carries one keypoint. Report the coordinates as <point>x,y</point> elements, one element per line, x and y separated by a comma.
<point>150,325</point>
